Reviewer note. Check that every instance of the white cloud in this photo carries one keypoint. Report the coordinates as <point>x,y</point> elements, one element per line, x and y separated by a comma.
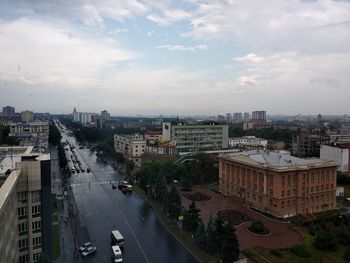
<point>169,16</point>
<point>183,48</point>
<point>251,57</point>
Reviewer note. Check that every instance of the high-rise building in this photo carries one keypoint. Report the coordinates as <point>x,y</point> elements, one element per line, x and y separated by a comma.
<point>237,117</point>
<point>246,117</point>
<point>25,206</point>
<point>259,118</point>
<point>8,111</point>
<point>105,115</point>
<point>27,116</point>
<point>193,137</point>
<point>82,117</point>
<point>278,183</point>
<point>130,146</point>
<point>221,118</point>
<point>228,117</point>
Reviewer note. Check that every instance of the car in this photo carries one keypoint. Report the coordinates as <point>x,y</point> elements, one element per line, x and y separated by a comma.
<point>88,170</point>
<point>85,246</point>
<point>82,170</point>
<point>128,187</point>
<point>124,190</point>
<point>88,251</point>
<point>114,186</point>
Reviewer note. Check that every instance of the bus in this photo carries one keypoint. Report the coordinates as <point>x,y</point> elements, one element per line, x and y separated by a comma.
<point>117,238</point>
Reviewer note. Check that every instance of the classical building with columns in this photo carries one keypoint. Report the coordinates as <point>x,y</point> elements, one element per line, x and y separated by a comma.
<point>278,183</point>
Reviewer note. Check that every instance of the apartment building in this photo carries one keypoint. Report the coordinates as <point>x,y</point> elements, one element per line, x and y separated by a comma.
<point>34,134</point>
<point>259,118</point>
<point>338,153</point>
<point>198,136</point>
<point>307,143</point>
<point>153,135</point>
<point>27,116</point>
<point>247,142</point>
<point>130,146</point>
<point>278,183</point>
<point>82,117</point>
<point>25,206</point>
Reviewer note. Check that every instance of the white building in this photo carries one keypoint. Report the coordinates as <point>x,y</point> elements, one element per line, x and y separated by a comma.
<point>82,117</point>
<point>247,142</point>
<point>130,146</point>
<point>339,153</point>
<point>34,134</point>
<point>193,137</point>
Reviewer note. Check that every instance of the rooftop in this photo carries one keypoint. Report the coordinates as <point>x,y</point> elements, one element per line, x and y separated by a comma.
<point>278,160</point>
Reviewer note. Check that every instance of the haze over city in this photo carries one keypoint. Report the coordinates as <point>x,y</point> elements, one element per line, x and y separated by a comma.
<point>175,57</point>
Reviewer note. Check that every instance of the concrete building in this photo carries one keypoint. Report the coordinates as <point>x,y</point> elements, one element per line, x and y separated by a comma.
<point>228,117</point>
<point>130,146</point>
<point>221,118</point>
<point>27,116</point>
<point>153,135</point>
<point>25,206</point>
<point>338,153</point>
<point>307,143</point>
<point>259,118</point>
<point>8,111</point>
<point>246,117</point>
<point>247,126</point>
<point>193,137</point>
<point>278,183</point>
<point>105,115</point>
<point>247,142</point>
<point>34,134</point>
<point>82,117</point>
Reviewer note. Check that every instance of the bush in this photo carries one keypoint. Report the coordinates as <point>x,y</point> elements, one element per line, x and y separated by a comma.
<point>258,227</point>
<point>276,252</point>
<point>325,241</point>
<point>300,250</point>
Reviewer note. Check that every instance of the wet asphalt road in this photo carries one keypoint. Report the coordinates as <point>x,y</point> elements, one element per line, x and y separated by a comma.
<point>102,209</point>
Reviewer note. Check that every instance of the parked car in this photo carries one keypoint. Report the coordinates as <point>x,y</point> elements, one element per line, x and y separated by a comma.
<point>128,187</point>
<point>85,246</point>
<point>124,190</point>
<point>114,186</point>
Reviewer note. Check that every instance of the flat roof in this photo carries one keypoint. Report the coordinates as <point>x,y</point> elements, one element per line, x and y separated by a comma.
<point>278,160</point>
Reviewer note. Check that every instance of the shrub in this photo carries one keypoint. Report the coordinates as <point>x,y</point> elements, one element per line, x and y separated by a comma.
<point>300,250</point>
<point>276,252</point>
<point>325,241</point>
<point>258,227</point>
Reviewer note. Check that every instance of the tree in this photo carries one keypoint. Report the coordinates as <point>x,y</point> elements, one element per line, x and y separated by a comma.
<point>212,237</point>
<point>191,218</point>
<point>200,236</point>
<point>173,204</point>
<point>325,241</point>
<point>161,189</point>
<point>230,245</point>
<point>203,169</point>
<point>258,227</point>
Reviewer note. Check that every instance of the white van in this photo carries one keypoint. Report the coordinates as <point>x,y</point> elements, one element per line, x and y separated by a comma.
<point>116,254</point>
<point>117,238</point>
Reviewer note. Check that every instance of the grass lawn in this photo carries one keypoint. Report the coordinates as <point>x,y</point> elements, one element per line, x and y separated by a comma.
<point>317,256</point>
<point>56,242</point>
<point>173,228</point>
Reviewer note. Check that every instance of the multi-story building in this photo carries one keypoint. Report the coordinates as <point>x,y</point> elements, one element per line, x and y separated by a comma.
<point>338,153</point>
<point>247,142</point>
<point>237,117</point>
<point>228,117</point>
<point>259,118</point>
<point>82,117</point>
<point>247,126</point>
<point>8,111</point>
<point>27,116</point>
<point>221,118</point>
<point>246,117</point>
<point>193,137</point>
<point>34,134</point>
<point>307,143</point>
<point>130,146</point>
<point>153,135</point>
<point>278,183</point>
<point>25,206</point>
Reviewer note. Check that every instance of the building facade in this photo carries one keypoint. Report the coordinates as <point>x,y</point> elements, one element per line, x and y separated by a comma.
<point>153,136</point>
<point>259,118</point>
<point>82,117</point>
<point>278,183</point>
<point>193,137</point>
<point>247,142</point>
<point>8,111</point>
<point>237,117</point>
<point>34,134</point>
<point>337,153</point>
<point>130,146</point>
<point>27,116</point>
<point>246,117</point>
<point>25,206</point>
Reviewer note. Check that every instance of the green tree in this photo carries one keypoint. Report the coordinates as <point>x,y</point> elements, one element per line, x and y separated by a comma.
<point>173,204</point>
<point>203,169</point>
<point>211,245</point>
<point>230,245</point>
<point>191,218</point>
<point>200,236</point>
<point>258,227</point>
<point>161,189</point>
<point>325,241</point>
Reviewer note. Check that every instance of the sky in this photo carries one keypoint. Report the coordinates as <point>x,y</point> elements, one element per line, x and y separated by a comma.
<point>175,57</point>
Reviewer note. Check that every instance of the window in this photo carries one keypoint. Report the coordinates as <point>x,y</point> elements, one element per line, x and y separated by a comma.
<point>36,225</point>
<point>36,257</point>
<point>22,228</point>
<point>282,204</point>
<point>24,259</point>
<point>36,196</point>
<point>288,193</point>
<point>36,209</point>
<point>36,241</point>
<point>22,211</point>
<point>23,243</point>
<point>282,194</point>
<point>22,197</point>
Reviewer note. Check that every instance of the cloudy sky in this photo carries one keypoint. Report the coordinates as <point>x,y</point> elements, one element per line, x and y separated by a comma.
<point>175,57</point>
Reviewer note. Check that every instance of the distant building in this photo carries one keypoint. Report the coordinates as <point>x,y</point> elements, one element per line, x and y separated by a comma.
<point>221,118</point>
<point>153,135</point>
<point>246,117</point>
<point>247,142</point>
<point>228,117</point>
<point>338,153</point>
<point>307,143</point>
<point>27,116</point>
<point>259,118</point>
<point>130,146</point>
<point>247,126</point>
<point>237,117</point>
<point>35,134</point>
<point>278,183</point>
<point>194,137</point>
<point>82,117</point>
<point>105,115</point>
<point>8,111</point>
<point>25,206</point>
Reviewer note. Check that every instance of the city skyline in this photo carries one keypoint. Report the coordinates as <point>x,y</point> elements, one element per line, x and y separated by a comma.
<point>183,58</point>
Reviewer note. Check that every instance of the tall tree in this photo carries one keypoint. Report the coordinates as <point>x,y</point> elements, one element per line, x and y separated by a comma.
<point>230,245</point>
<point>161,189</point>
<point>211,237</point>
<point>173,204</point>
<point>191,218</point>
<point>200,236</point>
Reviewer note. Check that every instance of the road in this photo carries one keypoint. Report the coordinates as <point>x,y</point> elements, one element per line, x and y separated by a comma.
<point>102,209</point>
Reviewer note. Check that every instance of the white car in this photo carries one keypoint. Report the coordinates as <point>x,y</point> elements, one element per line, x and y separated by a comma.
<point>129,187</point>
<point>85,246</point>
<point>88,251</point>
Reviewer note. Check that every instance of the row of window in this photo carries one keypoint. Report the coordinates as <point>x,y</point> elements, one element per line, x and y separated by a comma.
<point>25,258</point>
<point>23,243</point>
<point>23,196</point>
<point>22,211</point>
